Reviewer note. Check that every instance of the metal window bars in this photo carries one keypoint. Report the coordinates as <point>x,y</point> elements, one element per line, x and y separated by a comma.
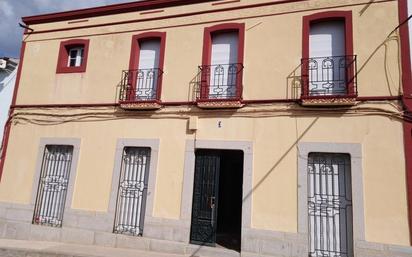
<point>329,76</point>
<point>330,205</point>
<point>140,85</point>
<point>220,82</point>
<point>53,184</point>
<point>131,198</point>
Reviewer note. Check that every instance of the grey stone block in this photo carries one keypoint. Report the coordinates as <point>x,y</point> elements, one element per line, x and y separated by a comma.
<point>275,247</point>
<point>3,226</point>
<point>44,233</point>
<point>16,230</point>
<point>181,235</point>
<point>70,220</point>
<point>132,242</point>
<point>105,239</point>
<point>369,245</point>
<point>251,245</point>
<point>79,236</point>
<point>167,246</point>
<point>95,223</point>
<point>12,253</point>
<point>158,232</point>
<point>23,215</point>
<point>397,249</point>
<point>246,254</point>
<point>205,251</point>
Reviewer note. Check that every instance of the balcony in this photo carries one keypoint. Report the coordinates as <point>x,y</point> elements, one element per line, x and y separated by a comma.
<point>140,89</point>
<point>219,86</point>
<point>329,80</point>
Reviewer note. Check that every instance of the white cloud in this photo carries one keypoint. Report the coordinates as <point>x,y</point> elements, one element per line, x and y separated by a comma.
<point>6,10</point>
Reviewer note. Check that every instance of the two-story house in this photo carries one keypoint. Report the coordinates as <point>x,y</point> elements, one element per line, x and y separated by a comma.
<point>214,128</point>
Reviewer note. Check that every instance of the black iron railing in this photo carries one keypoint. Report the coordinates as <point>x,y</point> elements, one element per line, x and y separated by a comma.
<point>220,82</point>
<point>329,76</point>
<point>53,185</point>
<point>140,85</point>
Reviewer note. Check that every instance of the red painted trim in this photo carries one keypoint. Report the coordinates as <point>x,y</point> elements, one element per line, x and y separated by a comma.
<point>7,126</point>
<point>407,101</point>
<point>28,106</point>
<point>177,103</point>
<point>151,12</point>
<point>227,2</point>
<point>192,14</point>
<point>108,10</point>
<point>207,48</point>
<point>407,136</point>
<point>345,16</point>
<point>135,54</point>
<point>405,48</point>
<point>199,13</point>
<point>79,21</point>
<point>64,56</point>
<point>378,98</point>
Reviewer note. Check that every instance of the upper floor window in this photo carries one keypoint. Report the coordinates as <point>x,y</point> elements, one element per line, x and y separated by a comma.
<point>142,82</point>
<point>73,56</point>
<point>328,63</point>
<point>222,66</point>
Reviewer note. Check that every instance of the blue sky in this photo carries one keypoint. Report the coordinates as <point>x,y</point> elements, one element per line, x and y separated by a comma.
<point>11,12</point>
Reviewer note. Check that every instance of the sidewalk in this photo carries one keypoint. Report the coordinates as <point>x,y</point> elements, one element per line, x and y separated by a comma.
<point>23,248</point>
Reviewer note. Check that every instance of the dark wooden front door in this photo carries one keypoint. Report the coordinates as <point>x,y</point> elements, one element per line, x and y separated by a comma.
<point>205,198</point>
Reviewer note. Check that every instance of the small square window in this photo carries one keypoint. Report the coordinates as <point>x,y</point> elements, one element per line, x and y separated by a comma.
<point>73,56</point>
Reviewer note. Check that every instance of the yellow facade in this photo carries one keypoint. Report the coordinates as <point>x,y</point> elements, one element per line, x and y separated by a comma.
<point>273,49</point>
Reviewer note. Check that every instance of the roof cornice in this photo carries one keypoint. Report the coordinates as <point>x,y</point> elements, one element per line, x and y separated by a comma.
<point>108,10</point>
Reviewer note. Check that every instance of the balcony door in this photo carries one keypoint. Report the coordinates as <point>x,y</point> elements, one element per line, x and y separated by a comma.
<point>327,61</point>
<point>224,68</point>
<point>148,69</point>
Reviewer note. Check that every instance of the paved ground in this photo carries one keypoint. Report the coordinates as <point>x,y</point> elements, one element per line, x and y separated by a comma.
<point>22,248</point>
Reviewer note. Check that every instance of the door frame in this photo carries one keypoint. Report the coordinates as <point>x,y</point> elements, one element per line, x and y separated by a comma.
<point>188,178</point>
<point>355,152</point>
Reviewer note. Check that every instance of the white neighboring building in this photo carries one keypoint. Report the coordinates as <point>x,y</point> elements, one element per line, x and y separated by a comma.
<point>8,72</point>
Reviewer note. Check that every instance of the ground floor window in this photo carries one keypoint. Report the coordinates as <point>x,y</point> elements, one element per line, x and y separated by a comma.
<point>330,205</point>
<point>53,184</point>
<point>132,191</point>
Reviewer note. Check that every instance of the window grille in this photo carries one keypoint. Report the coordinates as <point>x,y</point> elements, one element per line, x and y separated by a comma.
<point>131,198</point>
<point>330,205</point>
<point>53,183</point>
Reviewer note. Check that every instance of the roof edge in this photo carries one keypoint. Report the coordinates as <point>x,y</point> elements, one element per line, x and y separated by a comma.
<point>107,10</point>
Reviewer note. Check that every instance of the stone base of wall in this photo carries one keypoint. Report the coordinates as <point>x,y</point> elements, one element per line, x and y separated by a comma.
<point>163,236</point>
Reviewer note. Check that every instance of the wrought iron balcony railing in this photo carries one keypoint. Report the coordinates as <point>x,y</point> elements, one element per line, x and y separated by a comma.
<point>220,82</point>
<point>331,76</point>
<point>142,85</point>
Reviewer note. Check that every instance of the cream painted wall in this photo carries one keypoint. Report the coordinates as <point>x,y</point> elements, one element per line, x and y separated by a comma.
<point>267,66</point>
<point>274,159</point>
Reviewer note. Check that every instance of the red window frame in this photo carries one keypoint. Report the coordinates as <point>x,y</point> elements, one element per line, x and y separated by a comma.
<point>63,58</point>
<point>346,17</point>
<point>206,56</point>
<point>135,55</point>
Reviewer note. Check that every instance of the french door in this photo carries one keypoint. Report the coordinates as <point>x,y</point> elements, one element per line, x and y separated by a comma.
<point>327,61</point>
<point>224,65</point>
<point>205,198</point>
<point>148,70</point>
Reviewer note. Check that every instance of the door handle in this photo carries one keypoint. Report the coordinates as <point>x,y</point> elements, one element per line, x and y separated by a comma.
<point>212,204</point>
